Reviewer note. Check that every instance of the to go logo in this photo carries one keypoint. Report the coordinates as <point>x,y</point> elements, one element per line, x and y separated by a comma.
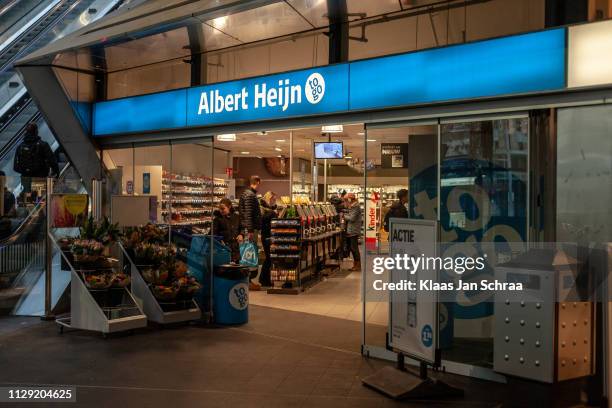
<point>427,336</point>
<point>239,296</point>
<point>315,88</point>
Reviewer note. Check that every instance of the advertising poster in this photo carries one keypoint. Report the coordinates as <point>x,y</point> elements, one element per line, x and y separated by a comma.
<point>413,322</point>
<point>146,183</point>
<point>69,210</point>
<point>372,217</point>
<point>394,155</point>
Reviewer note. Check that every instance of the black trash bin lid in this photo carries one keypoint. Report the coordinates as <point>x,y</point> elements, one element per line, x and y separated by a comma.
<point>232,271</point>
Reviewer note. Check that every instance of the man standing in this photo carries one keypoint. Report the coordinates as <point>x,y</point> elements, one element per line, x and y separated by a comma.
<point>250,215</point>
<point>34,158</point>
<point>398,209</point>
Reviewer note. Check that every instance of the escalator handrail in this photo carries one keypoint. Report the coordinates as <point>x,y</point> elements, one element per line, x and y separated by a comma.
<point>44,31</point>
<point>12,115</point>
<point>7,7</point>
<point>35,211</point>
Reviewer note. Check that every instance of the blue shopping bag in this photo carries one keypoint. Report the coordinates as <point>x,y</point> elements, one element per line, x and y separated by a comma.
<point>249,254</point>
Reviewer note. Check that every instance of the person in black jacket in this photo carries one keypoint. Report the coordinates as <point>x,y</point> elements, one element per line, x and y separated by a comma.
<point>268,213</point>
<point>250,219</point>
<point>34,158</point>
<point>226,225</point>
<point>398,209</point>
<point>250,213</point>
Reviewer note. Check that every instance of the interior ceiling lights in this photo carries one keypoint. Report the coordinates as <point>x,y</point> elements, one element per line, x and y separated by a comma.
<point>332,129</point>
<point>227,137</point>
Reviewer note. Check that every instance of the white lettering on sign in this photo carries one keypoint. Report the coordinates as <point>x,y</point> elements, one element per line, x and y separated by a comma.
<point>213,102</point>
<point>281,96</point>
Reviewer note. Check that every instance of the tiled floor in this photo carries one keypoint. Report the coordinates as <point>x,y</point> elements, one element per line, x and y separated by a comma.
<point>279,359</point>
<point>338,296</point>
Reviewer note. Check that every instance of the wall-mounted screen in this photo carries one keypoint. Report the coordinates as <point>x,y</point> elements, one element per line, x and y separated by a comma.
<point>329,150</point>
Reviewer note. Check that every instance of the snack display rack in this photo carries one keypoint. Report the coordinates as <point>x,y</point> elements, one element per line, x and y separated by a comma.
<point>190,200</point>
<point>158,311</point>
<point>288,267</point>
<point>105,310</point>
<point>301,245</point>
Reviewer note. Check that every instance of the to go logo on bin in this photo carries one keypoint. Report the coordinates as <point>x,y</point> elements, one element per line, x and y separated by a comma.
<point>315,88</point>
<point>239,296</point>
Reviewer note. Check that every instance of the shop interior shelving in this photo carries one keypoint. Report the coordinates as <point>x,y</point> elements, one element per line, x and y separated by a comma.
<point>301,192</point>
<point>289,266</point>
<point>300,247</point>
<point>190,200</point>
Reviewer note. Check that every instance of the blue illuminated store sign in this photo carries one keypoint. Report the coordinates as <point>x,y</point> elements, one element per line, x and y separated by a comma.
<point>299,93</point>
<point>520,64</point>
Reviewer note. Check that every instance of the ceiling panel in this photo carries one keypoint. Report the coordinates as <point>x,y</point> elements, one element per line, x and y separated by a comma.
<point>315,11</point>
<point>373,8</point>
<point>254,145</point>
<point>265,22</point>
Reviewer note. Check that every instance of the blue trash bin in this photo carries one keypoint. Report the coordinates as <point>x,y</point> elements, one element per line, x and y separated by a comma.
<point>231,294</point>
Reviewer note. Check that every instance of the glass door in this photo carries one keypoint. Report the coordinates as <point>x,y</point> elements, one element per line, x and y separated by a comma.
<point>471,175</point>
<point>402,173</point>
<point>484,206</point>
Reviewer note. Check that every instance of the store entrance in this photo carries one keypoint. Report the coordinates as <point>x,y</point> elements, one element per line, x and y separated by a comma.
<point>471,177</point>
<point>311,194</point>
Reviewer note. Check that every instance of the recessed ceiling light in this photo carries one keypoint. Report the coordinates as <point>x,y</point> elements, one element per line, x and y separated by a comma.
<point>360,134</point>
<point>280,140</point>
<point>371,140</point>
<point>332,129</point>
<point>220,22</point>
<point>227,137</point>
<point>280,156</point>
<point>278,149</point>
<point>245,152</point>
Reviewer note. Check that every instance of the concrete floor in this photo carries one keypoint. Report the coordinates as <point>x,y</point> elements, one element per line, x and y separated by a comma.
<point>279,359</point>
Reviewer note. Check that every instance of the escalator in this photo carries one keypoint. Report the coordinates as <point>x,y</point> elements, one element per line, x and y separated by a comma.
<point>64,17</point>
<point>22,255</point>
<point>22,241</point>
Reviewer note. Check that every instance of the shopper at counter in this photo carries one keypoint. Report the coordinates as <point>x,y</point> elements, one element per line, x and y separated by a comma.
<point>226,225</point>
<point>398,209</point>
<point>268,213</point>
<point>338,201</point>
<point>354,219</point>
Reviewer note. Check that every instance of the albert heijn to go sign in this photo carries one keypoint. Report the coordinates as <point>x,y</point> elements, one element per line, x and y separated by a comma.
<point>291,94</point>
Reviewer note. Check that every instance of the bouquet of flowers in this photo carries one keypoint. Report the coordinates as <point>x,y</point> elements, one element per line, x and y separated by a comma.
<point>150,233</point>
<point>87,247</point>
<point>103,231</point>
<point>154,254</point>
<point>97,279</point>
<point>188,286</point>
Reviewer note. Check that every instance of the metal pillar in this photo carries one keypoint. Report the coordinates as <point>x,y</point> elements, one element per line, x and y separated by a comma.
<point>324,179</point>
<point>96,199</point>
<point>291,167</point>
<point>48,253</point>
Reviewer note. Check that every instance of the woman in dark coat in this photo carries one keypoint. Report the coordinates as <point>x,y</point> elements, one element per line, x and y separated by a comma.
<point>226,225</point>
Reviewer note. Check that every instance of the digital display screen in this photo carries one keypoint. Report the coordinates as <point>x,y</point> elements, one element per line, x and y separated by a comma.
<point>329,150</point>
